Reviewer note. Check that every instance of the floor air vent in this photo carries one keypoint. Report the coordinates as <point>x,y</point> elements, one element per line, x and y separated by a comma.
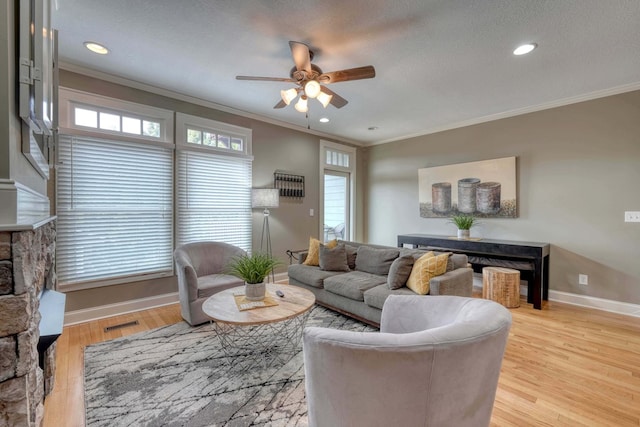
<point>120,326</point>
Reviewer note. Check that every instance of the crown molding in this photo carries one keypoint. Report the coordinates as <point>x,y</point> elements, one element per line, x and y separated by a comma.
<point>518,112</point>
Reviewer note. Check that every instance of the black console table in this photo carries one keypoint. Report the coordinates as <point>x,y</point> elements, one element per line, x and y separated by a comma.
<point>531,258</point>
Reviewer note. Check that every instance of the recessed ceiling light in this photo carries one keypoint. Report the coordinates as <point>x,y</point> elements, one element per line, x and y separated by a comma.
<point>524,49</point>
<point>373,128</point>
<point>324,120</point>
<point>96,48</point>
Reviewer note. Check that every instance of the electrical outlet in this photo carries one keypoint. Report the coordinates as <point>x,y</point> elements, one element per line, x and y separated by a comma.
<point>631,216</point>
<point>311,212</point>
<point>583,279</point>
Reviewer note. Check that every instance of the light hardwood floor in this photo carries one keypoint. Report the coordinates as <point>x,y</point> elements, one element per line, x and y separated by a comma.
<point>564,366</point>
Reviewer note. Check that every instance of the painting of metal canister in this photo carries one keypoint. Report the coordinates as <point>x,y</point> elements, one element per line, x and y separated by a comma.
<point>488,197</point>
<point>467,194</point>
<point>441,197</point>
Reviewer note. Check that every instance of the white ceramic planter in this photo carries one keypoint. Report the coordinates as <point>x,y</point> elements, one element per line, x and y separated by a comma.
<point>254,291</point>
<point>464,234</point>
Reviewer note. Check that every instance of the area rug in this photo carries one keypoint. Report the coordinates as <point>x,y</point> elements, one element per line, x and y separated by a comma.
<point>177,375</point>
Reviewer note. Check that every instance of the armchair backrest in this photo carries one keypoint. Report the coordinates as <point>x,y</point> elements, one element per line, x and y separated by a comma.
<point>436,361</point>
<point>207,257</point>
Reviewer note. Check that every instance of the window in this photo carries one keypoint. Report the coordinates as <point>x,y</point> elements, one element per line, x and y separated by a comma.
<point>214,198</point>
<point>114,192</point>
<point>215,139</point>
<point>115,210</point>
<point>337,181</point>
<point>97,115</point>
<point>214,182</point>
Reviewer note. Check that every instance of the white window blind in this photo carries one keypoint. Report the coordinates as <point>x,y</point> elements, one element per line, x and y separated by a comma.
<point>214,198</point>
<point>115,210</point>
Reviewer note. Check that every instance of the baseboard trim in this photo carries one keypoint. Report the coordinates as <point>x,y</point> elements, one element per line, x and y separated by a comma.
<point>597,303</point>
<point>109,310</point>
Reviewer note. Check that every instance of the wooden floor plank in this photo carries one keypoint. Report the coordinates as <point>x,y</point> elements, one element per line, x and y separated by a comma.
<point>564,366</point>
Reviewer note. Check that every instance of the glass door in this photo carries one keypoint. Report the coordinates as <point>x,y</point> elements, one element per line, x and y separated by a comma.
<point>336,205</point>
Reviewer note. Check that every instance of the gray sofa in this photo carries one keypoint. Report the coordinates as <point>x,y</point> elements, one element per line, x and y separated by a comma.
<point>362,291</point>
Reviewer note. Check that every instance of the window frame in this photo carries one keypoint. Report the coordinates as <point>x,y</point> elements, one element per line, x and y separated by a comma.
<point>68,100</point>
<point>351,170</point>
<point>186,121</point>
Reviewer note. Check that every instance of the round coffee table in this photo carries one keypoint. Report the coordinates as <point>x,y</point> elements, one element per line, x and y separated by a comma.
<point>267,334</point>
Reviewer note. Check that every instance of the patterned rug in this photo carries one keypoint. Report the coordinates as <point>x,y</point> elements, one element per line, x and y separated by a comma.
<point>177,375</point>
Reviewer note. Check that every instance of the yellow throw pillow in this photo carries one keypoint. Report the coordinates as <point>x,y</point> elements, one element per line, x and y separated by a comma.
<point>424,269</point>
<point>313,257</point>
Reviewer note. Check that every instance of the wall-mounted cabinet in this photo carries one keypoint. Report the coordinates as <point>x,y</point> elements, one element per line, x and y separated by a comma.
<point>290,185</point>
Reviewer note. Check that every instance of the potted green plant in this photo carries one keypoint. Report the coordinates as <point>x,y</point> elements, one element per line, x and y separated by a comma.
<point>253,269</point>
<point>464,223</point>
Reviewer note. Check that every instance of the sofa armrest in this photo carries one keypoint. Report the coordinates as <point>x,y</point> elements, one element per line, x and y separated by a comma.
<point>456,282</point>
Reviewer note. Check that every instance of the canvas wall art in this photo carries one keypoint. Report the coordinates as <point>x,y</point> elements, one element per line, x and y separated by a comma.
<point>485,189</point>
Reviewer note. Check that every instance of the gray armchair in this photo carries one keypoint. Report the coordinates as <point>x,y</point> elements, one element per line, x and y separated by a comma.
<point>200,268</point>
<point>435,362</point>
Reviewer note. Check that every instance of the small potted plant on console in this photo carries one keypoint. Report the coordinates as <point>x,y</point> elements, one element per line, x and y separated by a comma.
<point>464,223</point>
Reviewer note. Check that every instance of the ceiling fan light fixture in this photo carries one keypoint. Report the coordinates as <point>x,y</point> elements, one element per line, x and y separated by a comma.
<point>288,95</point>
<point>324,99</point>
<point>301,105</point>
<point>312,88</point>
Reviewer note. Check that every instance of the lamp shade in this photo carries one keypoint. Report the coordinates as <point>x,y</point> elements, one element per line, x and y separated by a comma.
<point>265,197</point>
<point>301,105</point>
<point>324,99</point>
<point>312,88</point>
<point>288,95</point>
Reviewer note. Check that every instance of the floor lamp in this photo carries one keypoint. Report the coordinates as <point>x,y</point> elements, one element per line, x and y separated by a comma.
<point>265,198</point>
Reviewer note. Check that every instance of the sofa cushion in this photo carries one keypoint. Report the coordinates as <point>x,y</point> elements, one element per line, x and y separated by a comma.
<point>375,261</point>
<point>353,284</point>
<point>310,275</point>
<point>453,262</point>
<point>333,259</point>
<point>313,255</point>
<point>424,269</point>
<point>415,253</point>
<point>375,297</point>
<point>399,271</point>
<point>214,283</point>
<point>352,252</point>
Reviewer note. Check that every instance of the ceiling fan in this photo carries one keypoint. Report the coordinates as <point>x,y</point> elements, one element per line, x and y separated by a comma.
<point>310,80</point>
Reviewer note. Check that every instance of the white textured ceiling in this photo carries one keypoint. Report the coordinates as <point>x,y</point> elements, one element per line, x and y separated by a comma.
<point>439,63</point>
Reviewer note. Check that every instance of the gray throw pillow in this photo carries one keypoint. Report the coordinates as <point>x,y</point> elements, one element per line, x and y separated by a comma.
<point>352,252</point>
<point>374,260</point>
<point>400,271</point>
<point>333,259</point>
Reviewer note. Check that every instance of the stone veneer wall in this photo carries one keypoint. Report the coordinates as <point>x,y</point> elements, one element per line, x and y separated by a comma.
<point>27,265</point>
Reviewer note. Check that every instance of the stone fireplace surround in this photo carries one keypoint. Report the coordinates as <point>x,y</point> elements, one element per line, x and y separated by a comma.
<point>27,267</point>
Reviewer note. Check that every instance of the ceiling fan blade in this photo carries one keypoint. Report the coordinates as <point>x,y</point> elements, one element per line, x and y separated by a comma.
<point>337,101</point>
<point>266,79</point>
<point>301,56</point>
<point>366,72</point>
<point>280,104</point>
